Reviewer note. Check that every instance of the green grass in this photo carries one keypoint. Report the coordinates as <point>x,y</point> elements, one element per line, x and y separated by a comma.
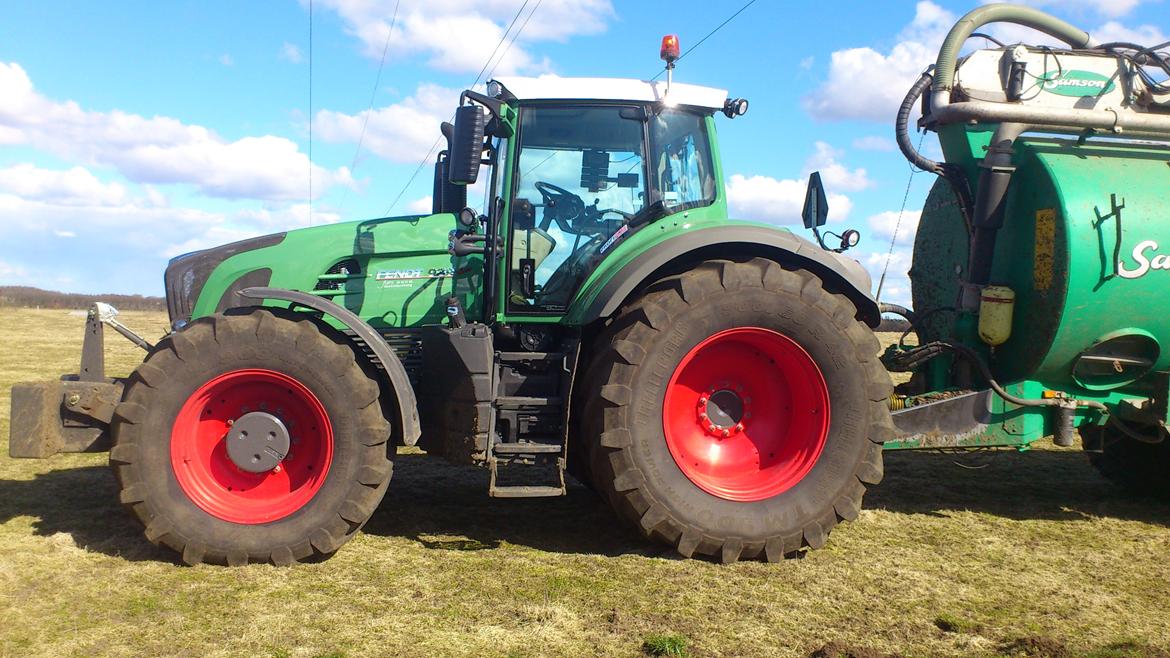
<point>1032,552</point>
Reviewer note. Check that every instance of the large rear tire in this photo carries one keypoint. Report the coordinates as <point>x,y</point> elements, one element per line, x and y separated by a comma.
<point>303,491</point>
<point>740,412</point>
<point>1141,468</point>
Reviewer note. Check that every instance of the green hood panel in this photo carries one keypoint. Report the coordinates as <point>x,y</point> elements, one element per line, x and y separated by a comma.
<point>392,272</point>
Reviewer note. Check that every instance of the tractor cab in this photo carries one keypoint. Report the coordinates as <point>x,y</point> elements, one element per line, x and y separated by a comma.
<point>577,165</point>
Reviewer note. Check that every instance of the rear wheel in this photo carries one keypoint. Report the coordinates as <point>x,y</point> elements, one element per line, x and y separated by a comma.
<point>1142,468</point>
<point>741,411</point>
<point>252,437</point>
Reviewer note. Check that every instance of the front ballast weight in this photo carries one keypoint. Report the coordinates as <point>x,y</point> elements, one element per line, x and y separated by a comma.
<point>71,414</point>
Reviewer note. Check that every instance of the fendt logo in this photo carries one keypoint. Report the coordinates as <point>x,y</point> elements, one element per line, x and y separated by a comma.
<point>1077,83</point>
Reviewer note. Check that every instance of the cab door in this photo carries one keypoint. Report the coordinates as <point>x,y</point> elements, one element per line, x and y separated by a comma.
<point>578,176</point>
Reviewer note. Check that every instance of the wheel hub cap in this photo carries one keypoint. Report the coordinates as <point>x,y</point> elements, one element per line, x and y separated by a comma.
<point>722,412</point>
<point>251,446</point>
<point>746,414</point>
<point>257,442</point>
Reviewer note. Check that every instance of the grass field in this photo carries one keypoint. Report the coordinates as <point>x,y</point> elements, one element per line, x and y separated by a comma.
<point>1031,554</point>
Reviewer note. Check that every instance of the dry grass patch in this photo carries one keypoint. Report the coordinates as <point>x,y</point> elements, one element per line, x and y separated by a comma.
<point>1033,550</point>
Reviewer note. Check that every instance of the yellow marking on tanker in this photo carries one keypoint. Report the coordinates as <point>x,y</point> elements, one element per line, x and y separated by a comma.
<point>1045,249</point>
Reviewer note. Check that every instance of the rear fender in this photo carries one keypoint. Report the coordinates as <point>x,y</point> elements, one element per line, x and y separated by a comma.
<point>840,274</point>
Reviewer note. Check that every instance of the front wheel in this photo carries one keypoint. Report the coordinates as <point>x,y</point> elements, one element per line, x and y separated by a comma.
<point>251,437</point>
<point>741,411</point>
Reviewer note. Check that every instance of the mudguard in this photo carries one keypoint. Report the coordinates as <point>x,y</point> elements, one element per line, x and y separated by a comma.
<point>840,273</point>
<point>395,372</point>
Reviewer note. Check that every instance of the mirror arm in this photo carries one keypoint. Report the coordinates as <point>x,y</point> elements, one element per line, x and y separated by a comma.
<point>494,105</point>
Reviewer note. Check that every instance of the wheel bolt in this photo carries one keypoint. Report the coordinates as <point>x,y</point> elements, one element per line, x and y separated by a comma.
<point>726,433</point>
<point>703,416</point>
<point>231,422</point>
<point>712,428</point>
<point>276,469</point>
<point>739,427</point>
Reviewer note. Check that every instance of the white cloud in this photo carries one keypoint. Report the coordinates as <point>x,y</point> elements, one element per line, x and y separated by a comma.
<point>227,60</point>
<point>781,200</point>
<point>835,175</point>
<point>421,206</point>
<point>896,287</point>
<point>402,132</point>
<point>1106,8</point>
<point>64,234</point>
<point>866,84</point>
<point>883,225</point>
<point>874,143</point>
<point>72,187</point>
<point>158,149</point>
<point>290,53</point>
<point>460,35</point>
<point>1145,35</point>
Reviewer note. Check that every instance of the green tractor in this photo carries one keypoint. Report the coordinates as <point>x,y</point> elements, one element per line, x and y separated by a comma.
<point>717,382</point>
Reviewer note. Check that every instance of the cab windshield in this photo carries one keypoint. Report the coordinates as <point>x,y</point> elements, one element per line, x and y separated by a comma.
<point>583,181</point>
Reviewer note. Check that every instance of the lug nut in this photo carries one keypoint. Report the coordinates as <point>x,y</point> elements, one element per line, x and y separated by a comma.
<point>739,427</point>
<point>726,433</point>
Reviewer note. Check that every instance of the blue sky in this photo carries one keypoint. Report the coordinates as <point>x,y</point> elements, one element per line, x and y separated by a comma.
<point>131,132</point>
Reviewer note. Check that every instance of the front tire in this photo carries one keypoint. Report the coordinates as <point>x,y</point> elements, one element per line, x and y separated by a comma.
<point>741,411</point>
<point>302,492</point>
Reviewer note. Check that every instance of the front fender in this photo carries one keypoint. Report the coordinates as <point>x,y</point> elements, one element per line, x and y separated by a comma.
<point>840,273</point>
<point>395,371</point>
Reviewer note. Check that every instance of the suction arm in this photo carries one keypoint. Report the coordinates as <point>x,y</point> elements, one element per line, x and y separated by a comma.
<point>998,13</point>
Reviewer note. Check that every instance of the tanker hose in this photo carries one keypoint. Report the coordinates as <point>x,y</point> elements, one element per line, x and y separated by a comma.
<point>999,13</point>
<point>898,310</point>
<point>972,356</point>
<point>902,127</point>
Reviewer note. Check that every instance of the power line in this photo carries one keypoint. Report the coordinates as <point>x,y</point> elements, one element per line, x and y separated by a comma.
<point>522,26</point>
<point>427,157</point>
<point>374,91</point>
<point>717,28</point>
<point>370,108</point>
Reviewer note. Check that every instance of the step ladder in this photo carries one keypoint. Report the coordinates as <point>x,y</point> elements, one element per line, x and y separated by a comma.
<point>538,454</point>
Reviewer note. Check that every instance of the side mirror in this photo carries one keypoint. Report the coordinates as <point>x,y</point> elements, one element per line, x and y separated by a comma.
<point>816,204</point>
<point>466,152</point>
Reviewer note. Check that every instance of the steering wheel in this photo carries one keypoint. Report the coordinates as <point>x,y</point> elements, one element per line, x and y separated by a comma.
<point>560,205</point>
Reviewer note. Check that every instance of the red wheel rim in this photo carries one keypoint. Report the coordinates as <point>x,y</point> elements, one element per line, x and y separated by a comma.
<point>214,483</point>
<point>746,414</point>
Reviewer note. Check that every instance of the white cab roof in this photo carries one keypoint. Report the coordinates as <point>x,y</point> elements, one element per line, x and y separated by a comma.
<point>552,87</point>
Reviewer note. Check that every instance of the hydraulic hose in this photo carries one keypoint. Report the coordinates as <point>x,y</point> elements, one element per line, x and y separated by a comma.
<point>999,13</point>
<point>902,127</point>
<point>949,173</point>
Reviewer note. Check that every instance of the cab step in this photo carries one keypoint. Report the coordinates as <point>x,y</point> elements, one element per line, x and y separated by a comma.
<point>525,491</point>
<point>526,448</point>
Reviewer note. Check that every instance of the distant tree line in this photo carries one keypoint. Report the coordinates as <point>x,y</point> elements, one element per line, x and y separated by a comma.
<point>26,296</point>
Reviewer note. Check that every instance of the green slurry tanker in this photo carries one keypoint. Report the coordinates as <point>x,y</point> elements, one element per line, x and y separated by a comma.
<point>716,381</point>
